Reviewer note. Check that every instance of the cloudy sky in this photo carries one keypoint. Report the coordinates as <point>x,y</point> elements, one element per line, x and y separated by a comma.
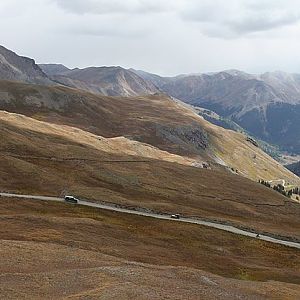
<point>163,36</point>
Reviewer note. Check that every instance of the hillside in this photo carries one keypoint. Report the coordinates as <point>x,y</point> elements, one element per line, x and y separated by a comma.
<point>18,68</point>
<point>47,159</point>
<point>156,120</point>
<point>267,105</point>
<point>109,81</point>
<point>94,254</point>
<point>227,123</point>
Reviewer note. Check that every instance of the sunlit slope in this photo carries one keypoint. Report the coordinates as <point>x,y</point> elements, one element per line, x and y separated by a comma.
<point>117,145</point>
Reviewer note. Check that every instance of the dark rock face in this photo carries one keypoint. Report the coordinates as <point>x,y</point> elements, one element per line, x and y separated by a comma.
<point>17,68</point>
<point>195,138</point>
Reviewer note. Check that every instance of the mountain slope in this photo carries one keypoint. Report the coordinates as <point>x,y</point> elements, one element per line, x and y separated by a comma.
<point>110,81</point>
<point>267,105</point>
<point>47,159</point>
<point>53,69</point>
<point>156,120</point>
<point>18,68</point>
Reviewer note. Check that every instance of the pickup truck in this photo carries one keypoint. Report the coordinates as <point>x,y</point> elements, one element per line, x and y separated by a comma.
<point>71,199</point>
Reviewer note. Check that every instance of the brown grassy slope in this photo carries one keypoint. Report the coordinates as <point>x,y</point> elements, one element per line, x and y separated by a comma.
<point>32,160</point>
<point>118,145</point>
<point>156,120</point>
<point>55,250</point>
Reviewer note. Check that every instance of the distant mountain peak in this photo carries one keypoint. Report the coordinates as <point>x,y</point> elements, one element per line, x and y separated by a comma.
<point>54,69</point>
<point>109,81</point>
<point>19,68</point>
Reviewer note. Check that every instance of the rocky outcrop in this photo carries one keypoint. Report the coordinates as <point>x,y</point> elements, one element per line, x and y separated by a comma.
<point>188,137</point>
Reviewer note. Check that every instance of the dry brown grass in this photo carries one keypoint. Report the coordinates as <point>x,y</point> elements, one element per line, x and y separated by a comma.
<point>53,250</point>
<point>117,145</point>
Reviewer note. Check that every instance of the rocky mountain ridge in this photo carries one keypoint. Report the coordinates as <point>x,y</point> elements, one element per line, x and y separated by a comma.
<point>267,106</point>
<point>17,68</point>
<point>108,81</point>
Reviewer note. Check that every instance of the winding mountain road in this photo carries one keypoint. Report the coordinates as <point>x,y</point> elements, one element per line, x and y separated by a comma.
<point>224,227</point>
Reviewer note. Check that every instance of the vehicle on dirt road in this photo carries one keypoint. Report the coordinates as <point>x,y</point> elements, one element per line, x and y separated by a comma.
<point>175,216</point>
<point>71,199</point>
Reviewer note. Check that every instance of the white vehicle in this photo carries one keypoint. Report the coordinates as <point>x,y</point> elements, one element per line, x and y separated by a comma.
<point>175,216</point>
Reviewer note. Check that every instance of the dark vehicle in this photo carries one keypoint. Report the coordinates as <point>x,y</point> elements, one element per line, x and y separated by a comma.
<point>258,235</point>
<point>252,141</point>
<point>175,216</point>
<point>71,199</point>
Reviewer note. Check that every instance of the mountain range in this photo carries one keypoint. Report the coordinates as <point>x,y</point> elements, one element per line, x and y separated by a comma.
<point>109,81</point>
<point>267,105</point>
<point>111,136</point>
<point>226,92</point>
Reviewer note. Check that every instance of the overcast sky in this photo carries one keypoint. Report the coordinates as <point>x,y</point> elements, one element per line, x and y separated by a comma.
<point>162,36</point>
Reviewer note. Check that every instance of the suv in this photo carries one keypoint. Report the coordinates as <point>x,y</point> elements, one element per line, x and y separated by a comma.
<point>175,216</point>
<point>71,199</point>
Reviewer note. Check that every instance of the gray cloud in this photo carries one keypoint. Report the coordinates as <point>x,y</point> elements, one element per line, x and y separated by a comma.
<point>233,18</point>
<point>217,18</point>
<point>115,26</point>
<point>163,36</point>
<point>114,6</point>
